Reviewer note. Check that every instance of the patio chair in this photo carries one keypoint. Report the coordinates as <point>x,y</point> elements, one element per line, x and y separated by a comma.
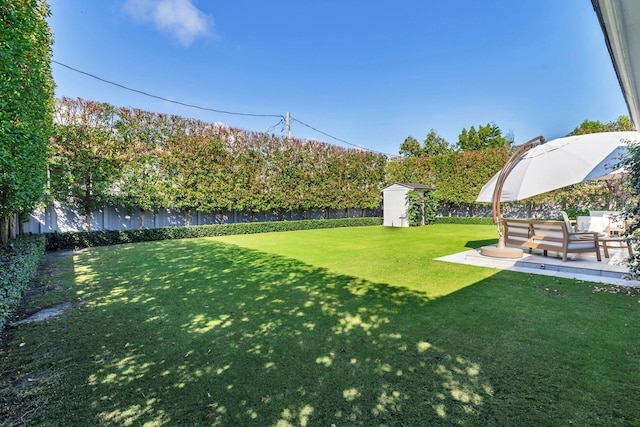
<point>594,224</point>
<point>575,232</point>
<point>570,227</point>
<point>617,221</point>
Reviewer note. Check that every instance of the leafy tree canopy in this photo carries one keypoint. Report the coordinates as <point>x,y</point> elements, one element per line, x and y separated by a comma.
<point>623,123</point>
<point>433,145</point>
<point>487,136</point>
<point>410,147</point>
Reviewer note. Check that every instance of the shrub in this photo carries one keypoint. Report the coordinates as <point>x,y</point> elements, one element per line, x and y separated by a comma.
<point>572,213</point>
<point>464,220</point>
<point>430,207</point>
<point>85,239</point>
<point>422,207</point>
<point>416,206</point>
<point>18,267</point>
<point>632,211</point>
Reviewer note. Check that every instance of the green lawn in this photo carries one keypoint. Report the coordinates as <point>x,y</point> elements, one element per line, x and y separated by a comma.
<point>344,327</point>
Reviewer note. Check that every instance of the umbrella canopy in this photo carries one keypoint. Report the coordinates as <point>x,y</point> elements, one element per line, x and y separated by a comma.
<point>562,162</point>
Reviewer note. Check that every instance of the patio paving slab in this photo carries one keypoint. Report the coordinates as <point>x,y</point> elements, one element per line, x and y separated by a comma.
<point>580,266</point>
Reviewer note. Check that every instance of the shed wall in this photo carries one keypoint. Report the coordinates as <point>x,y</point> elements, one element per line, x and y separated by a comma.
<point>395,207</point>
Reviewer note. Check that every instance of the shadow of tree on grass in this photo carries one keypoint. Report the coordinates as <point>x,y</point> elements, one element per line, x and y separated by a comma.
<point>200,332</point>
<point>203,333</point>
<point>475,244</point>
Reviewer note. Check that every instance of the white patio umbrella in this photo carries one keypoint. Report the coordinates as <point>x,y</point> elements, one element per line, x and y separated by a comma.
<point>537,167</point>
<point>562,162</point>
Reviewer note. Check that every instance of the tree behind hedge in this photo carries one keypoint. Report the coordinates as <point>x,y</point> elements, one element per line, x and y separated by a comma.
<point>622,123</point>
<point>26,107</point>
<point>487,136</point>
<point>433,145</point>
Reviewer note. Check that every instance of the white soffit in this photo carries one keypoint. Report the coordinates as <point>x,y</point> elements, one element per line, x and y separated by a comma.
<point>620,22</point>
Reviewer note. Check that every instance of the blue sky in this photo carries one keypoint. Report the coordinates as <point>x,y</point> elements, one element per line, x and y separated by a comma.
<point>368,72</point>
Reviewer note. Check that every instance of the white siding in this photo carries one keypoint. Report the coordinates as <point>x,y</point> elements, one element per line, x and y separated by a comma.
<point>395,206</point>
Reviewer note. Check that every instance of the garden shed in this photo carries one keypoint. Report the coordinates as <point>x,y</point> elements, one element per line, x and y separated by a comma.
<point>395,206</point>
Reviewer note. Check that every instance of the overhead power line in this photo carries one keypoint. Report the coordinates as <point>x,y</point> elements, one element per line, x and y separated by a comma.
<point>342,140</point>
<point>166,99</point>
<point>280,116</point>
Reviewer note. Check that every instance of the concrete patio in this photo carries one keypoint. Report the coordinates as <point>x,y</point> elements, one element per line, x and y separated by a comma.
<point>579,266</point>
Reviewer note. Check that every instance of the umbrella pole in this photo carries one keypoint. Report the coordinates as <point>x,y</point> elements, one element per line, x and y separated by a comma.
<point>501,250</point>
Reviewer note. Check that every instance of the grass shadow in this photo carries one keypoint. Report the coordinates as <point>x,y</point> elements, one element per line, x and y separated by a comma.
<point>475,244</point>
<point>205,333</point>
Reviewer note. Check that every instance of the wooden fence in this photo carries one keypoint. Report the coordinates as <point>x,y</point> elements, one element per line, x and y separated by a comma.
<point>56,217</point>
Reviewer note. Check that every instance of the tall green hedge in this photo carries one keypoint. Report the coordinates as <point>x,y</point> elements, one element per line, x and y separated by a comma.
<point>26,107</point>
<point>18,266</point>
<point>102,154</point>
<point>457,177</point>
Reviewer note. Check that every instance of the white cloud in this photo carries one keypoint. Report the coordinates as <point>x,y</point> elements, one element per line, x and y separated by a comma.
<point>179,17</point>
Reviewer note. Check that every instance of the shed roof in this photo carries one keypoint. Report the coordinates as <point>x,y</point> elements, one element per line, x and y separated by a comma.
<point>411,186</point>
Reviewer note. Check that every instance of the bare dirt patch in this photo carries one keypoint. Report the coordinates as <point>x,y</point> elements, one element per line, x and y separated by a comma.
<point>46,313</point>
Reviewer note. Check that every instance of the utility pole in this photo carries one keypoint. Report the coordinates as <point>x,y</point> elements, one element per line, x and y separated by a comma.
<point>288,125</point>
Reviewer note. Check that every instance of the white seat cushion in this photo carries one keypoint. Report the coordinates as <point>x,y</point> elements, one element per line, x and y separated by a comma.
<point>593,224</point>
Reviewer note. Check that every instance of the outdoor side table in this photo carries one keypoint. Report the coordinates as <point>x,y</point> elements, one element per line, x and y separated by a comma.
<point>606,241</point>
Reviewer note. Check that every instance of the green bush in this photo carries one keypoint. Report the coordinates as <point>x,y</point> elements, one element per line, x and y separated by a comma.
<point>430,207</point>
<point>18,266</point>
<point>572,213</point>
<point>85,239</point>
<point>416,206</point>
<point>464,220</point>
<point>422,207</point>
